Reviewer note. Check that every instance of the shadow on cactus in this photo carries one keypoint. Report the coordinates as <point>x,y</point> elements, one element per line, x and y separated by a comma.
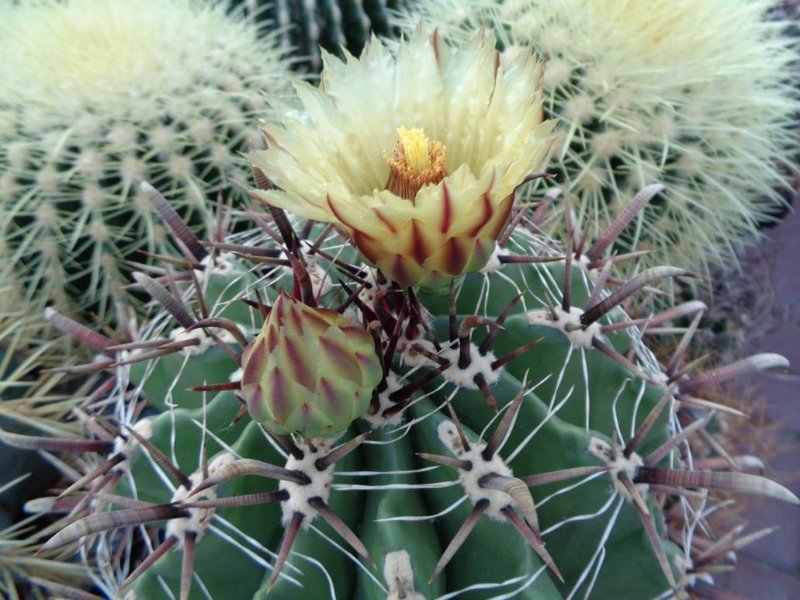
<point>485,421</point>
<point>24,575</point>
<point>97,96</point>
<point>311,28</point>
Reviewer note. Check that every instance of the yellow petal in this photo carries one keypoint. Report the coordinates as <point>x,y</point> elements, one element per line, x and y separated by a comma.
<point>328,160</point>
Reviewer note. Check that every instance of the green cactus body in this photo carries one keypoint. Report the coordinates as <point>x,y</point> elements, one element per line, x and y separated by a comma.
<point>575,380</point>
<point>383,537</point>
<point>408,494</point>
<point>311,27</point>
<point>388,501</point>
<point>243,438</point>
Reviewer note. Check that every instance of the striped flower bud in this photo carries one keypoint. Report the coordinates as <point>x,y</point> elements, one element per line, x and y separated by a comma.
<point>309,371</point>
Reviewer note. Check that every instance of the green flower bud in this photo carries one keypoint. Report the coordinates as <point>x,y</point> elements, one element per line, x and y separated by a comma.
<point>309,371</point>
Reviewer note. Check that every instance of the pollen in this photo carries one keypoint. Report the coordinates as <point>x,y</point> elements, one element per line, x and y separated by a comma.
<point>414,147</point>
<point>416,161</point>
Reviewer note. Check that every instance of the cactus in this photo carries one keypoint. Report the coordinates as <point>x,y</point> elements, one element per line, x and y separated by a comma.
<point>520,439</point>
<point>696,95</point>
<point>31,401</point>
<point>95,97</point>
<point>311,26</point>
<point>24,575</point>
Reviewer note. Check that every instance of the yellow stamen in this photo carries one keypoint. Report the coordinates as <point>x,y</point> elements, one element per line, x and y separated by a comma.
<point>415,161</point>
<point>415,148</point>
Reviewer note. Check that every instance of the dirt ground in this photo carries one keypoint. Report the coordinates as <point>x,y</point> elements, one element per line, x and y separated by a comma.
<point>770,568</point>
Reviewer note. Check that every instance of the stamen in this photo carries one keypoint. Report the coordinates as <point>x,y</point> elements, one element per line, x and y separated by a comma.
<point>416,161</point>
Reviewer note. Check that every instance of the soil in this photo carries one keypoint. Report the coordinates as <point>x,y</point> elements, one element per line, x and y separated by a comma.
<point>770,567</point>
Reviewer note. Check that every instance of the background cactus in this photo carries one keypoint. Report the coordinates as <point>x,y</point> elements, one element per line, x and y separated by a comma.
<point>308,26</point>
<point>96,96</point>
<point>696,95</point>
<point>24,575</point>
<point>32,400</point>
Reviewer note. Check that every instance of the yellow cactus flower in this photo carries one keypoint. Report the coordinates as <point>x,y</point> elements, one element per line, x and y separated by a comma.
<point>415,157</point>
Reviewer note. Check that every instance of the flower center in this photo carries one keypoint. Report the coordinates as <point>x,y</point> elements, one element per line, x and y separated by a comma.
<point>415,161</point>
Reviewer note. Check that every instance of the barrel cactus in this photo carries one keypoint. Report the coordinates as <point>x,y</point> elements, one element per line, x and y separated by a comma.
<point>498,428</point>
<point>97,95</point>
<point>311,27</point>
<point>697,95</point>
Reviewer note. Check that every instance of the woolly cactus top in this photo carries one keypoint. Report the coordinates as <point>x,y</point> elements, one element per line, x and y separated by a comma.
<point>97,96</point>
<point>92,52</point>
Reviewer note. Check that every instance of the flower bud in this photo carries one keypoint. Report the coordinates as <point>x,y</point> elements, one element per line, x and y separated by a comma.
<point>309,371</point>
